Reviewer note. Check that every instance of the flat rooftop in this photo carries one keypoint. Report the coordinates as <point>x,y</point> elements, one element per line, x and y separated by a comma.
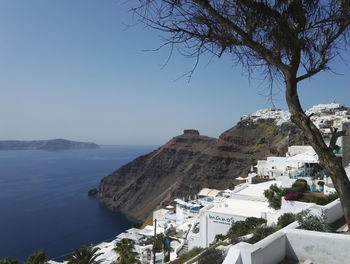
<point>257,190</point>
<point>245,208</point>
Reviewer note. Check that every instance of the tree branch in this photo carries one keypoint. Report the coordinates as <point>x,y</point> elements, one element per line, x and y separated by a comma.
<point>335,135</point>
<point>322,65</point>
<point>246,39</point>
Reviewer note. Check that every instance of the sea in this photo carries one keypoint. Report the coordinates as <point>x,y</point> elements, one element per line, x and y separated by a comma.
<point>44,203</point>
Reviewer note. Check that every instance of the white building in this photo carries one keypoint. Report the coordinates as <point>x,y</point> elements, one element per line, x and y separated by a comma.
<point>272,167</point>
<point>217,217</point>
<point>300,161</point>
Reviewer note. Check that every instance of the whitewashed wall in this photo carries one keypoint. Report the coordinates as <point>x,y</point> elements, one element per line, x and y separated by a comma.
<point>332,211</point>
<point>297,244</point>
<point>318,247</point>
<point>293,206</point>
<point>194,241</point>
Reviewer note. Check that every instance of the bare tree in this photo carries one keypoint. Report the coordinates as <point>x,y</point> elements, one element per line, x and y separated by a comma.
<point>288,39</point>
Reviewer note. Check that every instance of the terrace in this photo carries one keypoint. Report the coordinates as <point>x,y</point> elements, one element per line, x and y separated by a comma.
<point>291,245</point>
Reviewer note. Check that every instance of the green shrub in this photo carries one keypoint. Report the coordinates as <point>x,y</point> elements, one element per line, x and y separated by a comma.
<point>321,200</point>
<point>211,256</point>
<point>332,196</point>
<point>242,228</point>
<point>284,191</point>
<point>294,189</point>
<point>190,254</point>
<point>39,257</point>
<point>255,222</point>
<point>239,228</point>
<point>262,232</point>
<point>308,221</point>
<point>303,182</point>
<point>285,220</point>
<point>273,195</point>
<point>327,198</point>
<point>300,185</point>
<point>219,237</point>
<point>9,261</point>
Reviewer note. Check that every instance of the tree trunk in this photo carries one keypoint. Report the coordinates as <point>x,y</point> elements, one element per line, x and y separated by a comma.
<point>327,158</point>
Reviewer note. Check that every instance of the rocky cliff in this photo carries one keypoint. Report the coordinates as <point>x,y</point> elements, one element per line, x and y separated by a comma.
<point>189,162</point>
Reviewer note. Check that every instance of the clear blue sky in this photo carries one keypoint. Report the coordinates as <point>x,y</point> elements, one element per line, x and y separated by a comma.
<point>70,69</point>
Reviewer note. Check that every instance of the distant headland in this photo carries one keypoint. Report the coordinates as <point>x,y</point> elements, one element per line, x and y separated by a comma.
<point>52,144</point>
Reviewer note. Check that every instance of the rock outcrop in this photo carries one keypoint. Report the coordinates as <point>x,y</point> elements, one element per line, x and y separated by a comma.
<point>93,192</point>
<point>189,162</point>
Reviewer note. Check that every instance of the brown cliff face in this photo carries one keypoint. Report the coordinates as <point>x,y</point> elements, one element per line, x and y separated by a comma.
<point>189,162</point>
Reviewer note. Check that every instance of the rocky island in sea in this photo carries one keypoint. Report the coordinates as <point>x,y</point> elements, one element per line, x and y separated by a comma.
<point>52,144</point>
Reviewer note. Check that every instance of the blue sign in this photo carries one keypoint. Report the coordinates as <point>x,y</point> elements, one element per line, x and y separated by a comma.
<point>221,220</point>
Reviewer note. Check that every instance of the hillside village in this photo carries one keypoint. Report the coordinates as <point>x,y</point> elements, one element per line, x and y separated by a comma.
<point>203,221</point>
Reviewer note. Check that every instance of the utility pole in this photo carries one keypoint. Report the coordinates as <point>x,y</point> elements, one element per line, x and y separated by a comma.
<point>154,241</point>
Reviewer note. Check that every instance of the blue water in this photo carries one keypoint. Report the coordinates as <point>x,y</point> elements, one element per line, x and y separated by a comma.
<point>44,202</point>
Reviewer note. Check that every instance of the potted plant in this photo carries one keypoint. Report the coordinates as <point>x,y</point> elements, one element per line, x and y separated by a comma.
<point>313,187</point>
<point>320,185</point>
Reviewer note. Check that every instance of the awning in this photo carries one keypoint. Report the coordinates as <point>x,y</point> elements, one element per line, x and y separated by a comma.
<point>208,192</point>
<point>179,201</point>
<point>204,192</point>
